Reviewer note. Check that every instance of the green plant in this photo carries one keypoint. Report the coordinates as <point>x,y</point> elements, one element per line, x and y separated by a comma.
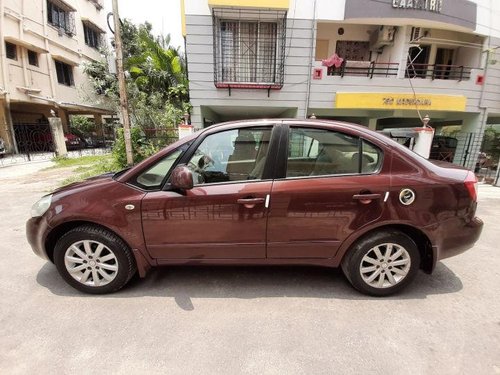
<point>141,147</point>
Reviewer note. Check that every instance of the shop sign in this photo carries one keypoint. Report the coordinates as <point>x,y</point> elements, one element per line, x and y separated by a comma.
<point>428,5</point>
<point>360,100</point>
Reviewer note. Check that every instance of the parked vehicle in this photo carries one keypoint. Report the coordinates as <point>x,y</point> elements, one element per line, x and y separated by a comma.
<point>73,142</point>
<point>263,192</point>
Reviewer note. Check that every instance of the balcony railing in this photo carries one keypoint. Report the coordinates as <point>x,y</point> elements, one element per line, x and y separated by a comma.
<point>368,69</point>
<point>438,71</point>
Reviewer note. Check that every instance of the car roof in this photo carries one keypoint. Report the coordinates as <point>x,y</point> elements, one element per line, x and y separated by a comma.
<point>301,122</point>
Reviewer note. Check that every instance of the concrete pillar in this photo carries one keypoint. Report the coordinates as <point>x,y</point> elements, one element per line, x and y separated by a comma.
<point>6,128</point>
<point>99,127</point>
<point>372,124</point>
<point>64,117</point>
<point>56,128</point>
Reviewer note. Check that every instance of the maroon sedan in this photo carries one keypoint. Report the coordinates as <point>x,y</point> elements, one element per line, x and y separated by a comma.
<point>264,192</point>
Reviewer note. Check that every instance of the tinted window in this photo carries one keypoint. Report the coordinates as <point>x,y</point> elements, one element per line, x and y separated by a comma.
<point>233,155</point>
<point>320,152</point>
<point>372,158</point>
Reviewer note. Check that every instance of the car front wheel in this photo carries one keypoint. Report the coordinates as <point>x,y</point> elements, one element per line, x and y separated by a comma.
<point>382,263</point>
<point>94,260</point>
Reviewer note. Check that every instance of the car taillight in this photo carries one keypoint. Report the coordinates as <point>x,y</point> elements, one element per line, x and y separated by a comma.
<point>471,185</point>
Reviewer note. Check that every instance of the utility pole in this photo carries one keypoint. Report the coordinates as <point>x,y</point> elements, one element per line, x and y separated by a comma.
<point>122,84</point>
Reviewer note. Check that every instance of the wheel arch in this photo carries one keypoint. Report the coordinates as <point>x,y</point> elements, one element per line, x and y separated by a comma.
<point>143,262</point>
<point>421,239</point>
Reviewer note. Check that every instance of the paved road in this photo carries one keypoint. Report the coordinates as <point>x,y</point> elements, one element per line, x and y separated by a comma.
<point>244,320</point>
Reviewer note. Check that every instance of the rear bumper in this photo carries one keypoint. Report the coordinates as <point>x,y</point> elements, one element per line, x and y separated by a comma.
<point>455,238</point>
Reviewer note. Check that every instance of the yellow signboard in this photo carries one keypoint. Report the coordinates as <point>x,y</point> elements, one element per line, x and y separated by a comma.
<point>433,102</point>
<point>267,4</point>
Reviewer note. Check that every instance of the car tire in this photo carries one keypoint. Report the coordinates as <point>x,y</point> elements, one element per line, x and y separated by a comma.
<point>382,263</point>
<point>94,260</point>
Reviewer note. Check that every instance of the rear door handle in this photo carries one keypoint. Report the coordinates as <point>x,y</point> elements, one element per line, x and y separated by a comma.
<point>366,198</point>
<point>250,202</point>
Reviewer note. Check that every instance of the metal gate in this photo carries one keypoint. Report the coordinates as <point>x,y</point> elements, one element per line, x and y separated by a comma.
<point>34,141</point>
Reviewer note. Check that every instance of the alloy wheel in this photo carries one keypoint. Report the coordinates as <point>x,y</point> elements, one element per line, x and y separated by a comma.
<point>385,265</point>
<point>91,263</point>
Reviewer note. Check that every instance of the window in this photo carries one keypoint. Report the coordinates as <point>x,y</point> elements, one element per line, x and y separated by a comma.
<point>153,177</point>
<point>233,155</point>
<point>11,51</point>
<point>64,73</point>
<point>353,50</point>
<point>60,16</point>
<point>92,36</point>
<point>33,58</point>
<point>250,51</point>
<point>318,152</point>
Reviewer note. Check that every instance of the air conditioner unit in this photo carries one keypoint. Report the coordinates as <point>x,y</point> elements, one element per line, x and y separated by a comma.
<point>383,36</point>
<point>418,33</point>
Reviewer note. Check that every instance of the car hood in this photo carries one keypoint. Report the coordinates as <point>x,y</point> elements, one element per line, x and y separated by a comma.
<point>89,182</point>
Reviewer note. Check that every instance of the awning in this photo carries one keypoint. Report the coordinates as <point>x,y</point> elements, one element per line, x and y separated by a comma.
<point>25,44</point>
<point>75,108</point>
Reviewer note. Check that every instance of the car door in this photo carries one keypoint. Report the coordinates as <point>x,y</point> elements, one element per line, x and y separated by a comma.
<point>224,215</point>
<point>333,184</point>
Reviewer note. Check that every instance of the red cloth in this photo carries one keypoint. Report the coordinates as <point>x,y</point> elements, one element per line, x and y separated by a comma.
<point>333,60</point>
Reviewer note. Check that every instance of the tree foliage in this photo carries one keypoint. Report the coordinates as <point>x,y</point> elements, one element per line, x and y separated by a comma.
<point>156,78</point>
<point>157,88</point>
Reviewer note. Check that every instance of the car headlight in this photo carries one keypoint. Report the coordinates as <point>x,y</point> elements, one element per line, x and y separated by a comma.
<point>41,207</point>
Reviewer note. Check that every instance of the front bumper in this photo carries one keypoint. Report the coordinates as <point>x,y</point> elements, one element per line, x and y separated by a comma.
<point>36,233</point>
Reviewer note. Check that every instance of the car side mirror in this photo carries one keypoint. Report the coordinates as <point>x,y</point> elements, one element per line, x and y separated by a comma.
<point>181,178</point>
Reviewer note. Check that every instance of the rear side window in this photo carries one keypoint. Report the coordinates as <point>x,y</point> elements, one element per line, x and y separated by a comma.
<point>320,152</point>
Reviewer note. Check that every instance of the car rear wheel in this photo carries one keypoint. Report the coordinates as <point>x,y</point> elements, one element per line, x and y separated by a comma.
<point>382,263</point>
<point>94,260</point>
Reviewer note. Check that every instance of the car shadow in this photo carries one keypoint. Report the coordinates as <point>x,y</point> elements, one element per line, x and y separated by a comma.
<point>187,283</point>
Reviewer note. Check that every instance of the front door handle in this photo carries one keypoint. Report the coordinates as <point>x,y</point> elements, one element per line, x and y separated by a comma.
<point>366,198</point>
<point>250,202</point>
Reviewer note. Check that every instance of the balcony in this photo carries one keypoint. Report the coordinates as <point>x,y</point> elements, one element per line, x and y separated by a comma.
<point>368,69</point>
<point>438,71</point>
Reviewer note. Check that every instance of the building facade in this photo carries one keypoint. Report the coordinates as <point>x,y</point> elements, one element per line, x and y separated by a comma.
<point>43,46</point>
<point>379,63</point>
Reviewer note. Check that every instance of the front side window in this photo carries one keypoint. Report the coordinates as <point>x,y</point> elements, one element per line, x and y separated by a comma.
<point>320,152</point>
<point>153,177</point>
<point>249,51</point>
<point>232,155</point>
<point>64,73</point>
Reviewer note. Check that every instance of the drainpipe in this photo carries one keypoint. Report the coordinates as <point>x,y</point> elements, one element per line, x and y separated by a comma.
<point>309,78</point>
<point>3,61</point>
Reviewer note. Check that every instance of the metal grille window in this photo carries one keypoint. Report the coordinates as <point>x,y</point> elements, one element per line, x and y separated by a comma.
<point>249,48</point>
<point>64,73</point>
<point>92,36</point>
<point>11,51</point>
<point>61,16</point>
